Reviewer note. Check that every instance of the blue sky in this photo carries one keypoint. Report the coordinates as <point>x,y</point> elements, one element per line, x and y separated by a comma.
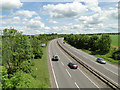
<point>60,17</point>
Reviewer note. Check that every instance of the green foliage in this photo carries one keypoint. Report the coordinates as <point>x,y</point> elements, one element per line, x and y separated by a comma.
<point>105,43</point>
<point>93,43</point>
<point>37,50</point>
<point>116,55</point>
<point>98,45</point>
<point>26,67</point>
<point>18,53</point>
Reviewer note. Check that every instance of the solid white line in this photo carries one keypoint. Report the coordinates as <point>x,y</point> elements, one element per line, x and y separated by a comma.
<point>62,64</point>
<point>88,78</point>
<point>53,69</point>
<point>76,85</point>
<point>68,73</point>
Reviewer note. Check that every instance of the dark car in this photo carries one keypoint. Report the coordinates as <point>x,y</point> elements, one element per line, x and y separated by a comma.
<point>73,65</point>
<point>101,60</point>
<point>63,42</point>
<point>55,58</point>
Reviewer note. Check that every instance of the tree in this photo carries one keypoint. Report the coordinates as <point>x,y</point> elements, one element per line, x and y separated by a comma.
<point>93,43</point>
<point>36,45</point>
<point>104,43</point>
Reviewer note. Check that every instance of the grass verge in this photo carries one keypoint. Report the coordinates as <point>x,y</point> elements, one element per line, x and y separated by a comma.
<point>41,72</point>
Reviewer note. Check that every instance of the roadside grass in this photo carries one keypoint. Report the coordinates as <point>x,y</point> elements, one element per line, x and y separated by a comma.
<point>41,72</point>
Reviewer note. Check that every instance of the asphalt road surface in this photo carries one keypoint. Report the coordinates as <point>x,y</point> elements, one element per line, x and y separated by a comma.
<point>64,77</point>
<point>108,70</point>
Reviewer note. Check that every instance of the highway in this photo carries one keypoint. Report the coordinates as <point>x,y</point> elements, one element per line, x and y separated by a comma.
<point>64,77</point>
<point>107,70</point>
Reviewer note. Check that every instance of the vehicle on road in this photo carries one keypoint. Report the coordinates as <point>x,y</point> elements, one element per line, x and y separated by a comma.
<point>101,60</point>
<point>63,42</point>
<point>55,58</point>
<point>73,65</point>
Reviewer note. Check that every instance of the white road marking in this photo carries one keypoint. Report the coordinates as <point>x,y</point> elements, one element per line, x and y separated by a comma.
<point>62,52</point>
<point>62,64</point>
<point>77,51</point>
<point>76,85</point>
<point>100,72</point>
<point>68,73</point>
<point>53,69</point>
<point>88,78</point>
<point>96,70</point>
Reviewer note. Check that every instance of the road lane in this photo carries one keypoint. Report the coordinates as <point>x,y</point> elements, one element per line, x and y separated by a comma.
<point>62,77</point>
<point>106,72</point>
<point>108,66</point>
<point>75,75</point>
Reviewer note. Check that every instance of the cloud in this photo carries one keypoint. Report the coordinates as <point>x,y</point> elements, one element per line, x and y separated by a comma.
<point>34,24</point>
<point>65,10</point>
<point>51,21</point>
<point>73,9</point>
<point>10,4</point>
<point>15,20</point>
<point>100,17</point>
<point>92,5</point>
<point>26,13</point>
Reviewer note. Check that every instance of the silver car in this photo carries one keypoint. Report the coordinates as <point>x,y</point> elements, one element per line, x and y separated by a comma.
<point>101,60</point>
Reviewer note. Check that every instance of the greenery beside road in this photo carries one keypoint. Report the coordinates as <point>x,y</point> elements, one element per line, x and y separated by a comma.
<point>21,55</point>
<point>41,72</point>
<point>98,45</point>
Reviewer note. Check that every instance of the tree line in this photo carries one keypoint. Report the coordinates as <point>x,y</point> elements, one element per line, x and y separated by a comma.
<point>18,52</point>
<point>98,45</point>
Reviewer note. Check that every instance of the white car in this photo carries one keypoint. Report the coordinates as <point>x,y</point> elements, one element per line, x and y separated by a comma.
<point>101,60</point>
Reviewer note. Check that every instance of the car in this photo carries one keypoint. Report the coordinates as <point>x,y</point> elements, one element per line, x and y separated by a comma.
<point>72,65</point>
<point>101,60</point>
<point>63,42</point>
<point>55,58</point>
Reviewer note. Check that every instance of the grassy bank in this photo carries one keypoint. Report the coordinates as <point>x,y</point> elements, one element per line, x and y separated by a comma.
<point>41,72</point>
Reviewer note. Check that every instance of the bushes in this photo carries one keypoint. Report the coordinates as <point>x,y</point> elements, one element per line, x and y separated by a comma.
<point>116,55</point>
<point>26,67</point>
<point>37,50</point>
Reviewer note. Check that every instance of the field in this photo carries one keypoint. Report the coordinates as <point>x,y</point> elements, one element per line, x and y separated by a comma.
<point>114,40</point>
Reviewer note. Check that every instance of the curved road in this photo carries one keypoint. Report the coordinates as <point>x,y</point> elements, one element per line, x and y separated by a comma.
<point>107,70</point>
<point>64,77</point>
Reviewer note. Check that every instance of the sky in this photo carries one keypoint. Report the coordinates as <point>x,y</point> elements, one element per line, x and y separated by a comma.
<point>34,17</point>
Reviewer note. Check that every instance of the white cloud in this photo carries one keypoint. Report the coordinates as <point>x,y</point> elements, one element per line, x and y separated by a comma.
<point>51,21</point>
<point>11,21</point>
<point>10,4</point>
<point>65,10</point>
<point>36,24</point>
<point>92,5</point>
<point>101,17</point>
<point>37,18</point>
<point>26,13</point>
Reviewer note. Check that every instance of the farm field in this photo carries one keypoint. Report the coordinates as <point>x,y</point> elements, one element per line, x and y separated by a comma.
<point>114,40</point>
